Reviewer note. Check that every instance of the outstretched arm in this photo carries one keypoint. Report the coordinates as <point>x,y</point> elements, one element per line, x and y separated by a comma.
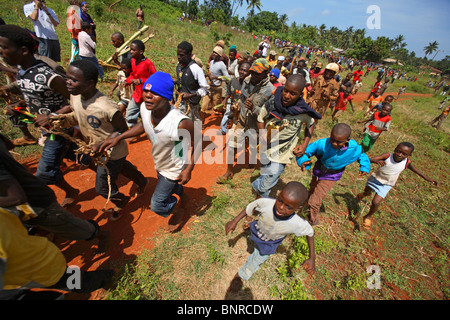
<point>419,173</point>
<point>310,264</point>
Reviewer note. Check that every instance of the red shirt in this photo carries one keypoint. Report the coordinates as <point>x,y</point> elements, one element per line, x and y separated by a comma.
<point>141,71</point>
<point>341,103</point>
<point>376,86</point>
<point>357,75</point>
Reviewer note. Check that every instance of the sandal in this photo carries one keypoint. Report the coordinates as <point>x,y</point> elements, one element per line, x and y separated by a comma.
<point>22,142</point>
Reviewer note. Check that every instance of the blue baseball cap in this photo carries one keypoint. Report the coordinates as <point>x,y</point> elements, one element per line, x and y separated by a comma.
<point>160,83</point>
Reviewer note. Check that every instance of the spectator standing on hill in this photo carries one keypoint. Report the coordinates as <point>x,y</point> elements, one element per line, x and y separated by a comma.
<point>140,17</point>
<point>74,27</point>
<point>44,22</point>
<point>85,17</point>
<point>88,46</point>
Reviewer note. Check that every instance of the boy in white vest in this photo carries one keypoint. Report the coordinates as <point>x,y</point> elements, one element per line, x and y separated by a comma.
<point>172,136</point>
<point>385,177</point>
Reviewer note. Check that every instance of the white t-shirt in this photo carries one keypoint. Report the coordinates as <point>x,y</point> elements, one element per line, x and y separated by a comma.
<point>43,26</point>
<point>168,150</point>
<point>270,227</point>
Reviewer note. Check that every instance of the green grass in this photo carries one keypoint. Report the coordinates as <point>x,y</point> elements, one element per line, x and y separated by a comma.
<point>410,239</point>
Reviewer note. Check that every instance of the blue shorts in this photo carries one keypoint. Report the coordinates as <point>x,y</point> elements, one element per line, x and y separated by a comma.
<point>379,188</point>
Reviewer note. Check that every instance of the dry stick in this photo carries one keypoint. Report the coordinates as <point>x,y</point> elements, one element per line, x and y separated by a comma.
<point>134,36</point>
<point>112,5</point>
<point>85,149</point>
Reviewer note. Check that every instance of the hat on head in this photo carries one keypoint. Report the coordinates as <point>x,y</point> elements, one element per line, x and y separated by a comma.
<point>244,54</point>
<point>281,58</point>
<point>221,44</point>
<point>272,53</point>
<point>260,65</point>
<point>233,47</point>
<point>333,66</point>
<point>218,50</point>
<point>319,65</point>
<point>275,72</point>
<point>160,83</point>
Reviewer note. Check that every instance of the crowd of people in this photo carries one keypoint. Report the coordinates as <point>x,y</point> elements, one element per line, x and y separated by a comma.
<point>254,93</point>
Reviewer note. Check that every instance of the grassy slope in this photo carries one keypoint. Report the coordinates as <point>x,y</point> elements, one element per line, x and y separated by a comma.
<point>410,237</point>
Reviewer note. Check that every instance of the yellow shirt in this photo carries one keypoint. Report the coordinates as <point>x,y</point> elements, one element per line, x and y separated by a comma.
<point>29,259</point>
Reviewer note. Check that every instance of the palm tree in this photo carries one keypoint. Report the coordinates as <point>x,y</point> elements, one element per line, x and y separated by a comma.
<point>398,41</point>
<point>322,29</point>
<point>432,47</point>
<point>252,4</point>
<point>283,20</point>
<point>238,4</point>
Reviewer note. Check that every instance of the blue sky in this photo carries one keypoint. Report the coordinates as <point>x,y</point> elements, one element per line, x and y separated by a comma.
<point>419,21</point>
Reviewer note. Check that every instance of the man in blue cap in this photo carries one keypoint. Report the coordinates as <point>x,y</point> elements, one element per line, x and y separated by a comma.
<point>171,134</point>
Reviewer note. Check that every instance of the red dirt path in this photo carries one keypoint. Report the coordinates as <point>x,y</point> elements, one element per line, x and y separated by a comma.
<point>136,229</point>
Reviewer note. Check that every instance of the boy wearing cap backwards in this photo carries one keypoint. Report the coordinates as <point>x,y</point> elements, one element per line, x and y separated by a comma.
<point>217,68</point>
<point>333,155</point>
<point>325,89</point>
<point>255,91</point>
<point>171,134</point>
<point>100,118</point>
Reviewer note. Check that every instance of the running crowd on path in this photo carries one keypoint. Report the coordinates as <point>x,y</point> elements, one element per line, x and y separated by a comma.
<point>265,100</point>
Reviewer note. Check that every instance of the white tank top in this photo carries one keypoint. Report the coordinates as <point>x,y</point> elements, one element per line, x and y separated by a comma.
<point>389,173</point>
<point>168,150</point>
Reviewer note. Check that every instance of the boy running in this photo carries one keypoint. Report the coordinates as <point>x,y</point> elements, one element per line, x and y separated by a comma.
<point>381,181</point>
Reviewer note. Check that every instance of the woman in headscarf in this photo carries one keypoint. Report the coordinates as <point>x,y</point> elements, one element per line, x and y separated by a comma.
<point>85,17</point>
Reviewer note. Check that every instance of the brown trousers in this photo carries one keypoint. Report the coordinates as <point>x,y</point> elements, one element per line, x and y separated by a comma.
<point>318,189</point>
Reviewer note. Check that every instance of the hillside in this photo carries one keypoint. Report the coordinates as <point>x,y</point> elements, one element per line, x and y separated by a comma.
<point>409,241</point>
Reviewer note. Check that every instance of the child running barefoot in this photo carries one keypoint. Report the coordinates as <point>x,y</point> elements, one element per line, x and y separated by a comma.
<point>276,220</point>
<point>382,180</point>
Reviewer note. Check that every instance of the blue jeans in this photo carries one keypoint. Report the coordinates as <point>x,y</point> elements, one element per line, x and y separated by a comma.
<point>252,264</point>
<point>224,122</point>
<point>115,167</point>
<point>48,169</point>
<point>163,201</point>
<point>132,113</point>
<point>270,174</point>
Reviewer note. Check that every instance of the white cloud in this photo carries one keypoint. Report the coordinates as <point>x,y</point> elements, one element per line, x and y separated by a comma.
<point>325,12</point>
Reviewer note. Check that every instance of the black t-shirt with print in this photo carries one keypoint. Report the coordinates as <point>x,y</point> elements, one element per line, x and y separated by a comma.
<point>34,83</point>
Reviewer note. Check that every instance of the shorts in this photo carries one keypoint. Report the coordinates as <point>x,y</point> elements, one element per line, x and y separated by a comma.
<point>379,188</point>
